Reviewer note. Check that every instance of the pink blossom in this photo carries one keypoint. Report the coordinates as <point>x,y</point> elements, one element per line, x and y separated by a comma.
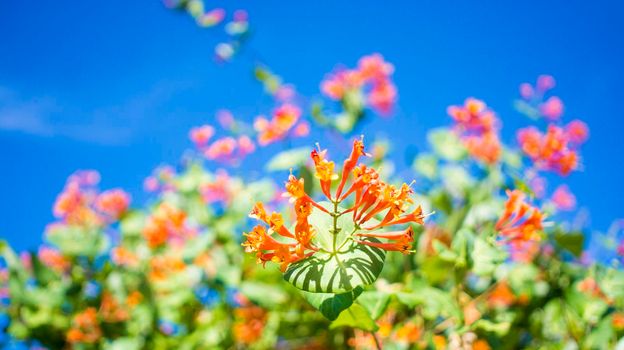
<point>577,131</point>
<point>563,199</point>
<point>218,190</point>
<point>113,203</point>
<point>225,118</point>
<point>538,186</point>
<point>285,93</point>
<point>374,67</point>
<point>222,149</point>
<point>212,18</point>
<point>240,16</point>
<point>545,83</point>
<point>552,108</point>
<point>53,259</point>
<point>526,91</point>
<point>382,97</point>
<point>302,129</point>
<point>150,184</point>
<point>201,135</point>
<point>245,146</point>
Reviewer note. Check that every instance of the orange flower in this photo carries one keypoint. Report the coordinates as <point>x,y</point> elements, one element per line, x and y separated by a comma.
<point>618,320</point>
<point>166,223</point>
<point>161,267</point>
<point>501,296</point>
<point>110,310</point>
<point>373,200</point>
<point>520,221</point>
<point>408,333</point>
<point>85,327</point>
<point>124,257</point>
<point>249,324</point>
<point>53,259</point>
<point>555,150</point>
<point>113,203</point>
<point>134,298</point>
<point>284,119</point>
<point>478,128</point>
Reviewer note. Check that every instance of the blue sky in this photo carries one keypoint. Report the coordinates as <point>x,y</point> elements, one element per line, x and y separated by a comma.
<point>116,85</point>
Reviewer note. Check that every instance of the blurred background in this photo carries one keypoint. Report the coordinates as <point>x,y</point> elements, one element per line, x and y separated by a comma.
<point>116,85</point>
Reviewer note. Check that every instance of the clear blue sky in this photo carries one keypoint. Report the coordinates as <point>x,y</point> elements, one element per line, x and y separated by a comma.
<point>115,85</point>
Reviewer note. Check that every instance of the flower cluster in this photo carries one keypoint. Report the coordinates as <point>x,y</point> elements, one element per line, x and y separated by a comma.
<point>557,149</point>
<point>520,222</point>
<point>85,327</point>
<point>166,224</point>
<point>226,149</point>
<point>373,199</point>
<point>284,122</point>
<point>236,30</point>
<point>477,127</point>
<point>80,204</point>
<point>373,75</point>
<point>534,102</point>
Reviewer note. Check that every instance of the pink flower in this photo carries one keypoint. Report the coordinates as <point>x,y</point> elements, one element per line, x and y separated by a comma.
<point>538,186</point>
<point>53,259</point>
<point>219,190</point>
<point>240,16</point>
<point>620,249</point>
<point>382,97</point>
<point>113,203</point>
<point>552,108</point>
<point>526,91</point>
<point>577,131</point>
<point>225,118</point>
<point>211,18</point>
<point>201,135</point>
<point>563,199</point>
<point>245,146</point>
<point>285,93</point>
<point>151,184</point>
<point>278,128</point>
<point>374,67</point>
<point>85,177</point>
<point>545,83</point>
<point>302,129</point>
<point>222,149</point>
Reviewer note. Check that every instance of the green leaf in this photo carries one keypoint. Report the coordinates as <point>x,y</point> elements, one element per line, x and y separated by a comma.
<point>263,294</point>
<point>374,302</point>
<point>486,257</point>
<point>331,305</point>
<point>342,264</point>
<point>573,241</point>
<point>499,328</point>
<point>286,160</point>
<point>356,317</point>
<point>446,144</point>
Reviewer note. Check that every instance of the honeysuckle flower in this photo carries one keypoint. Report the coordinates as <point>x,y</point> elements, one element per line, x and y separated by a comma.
<point>53,259</point>
<point>477,127</point>
<point>280,126</point>
<point>372,77</point>
<point>501,296</point>
<point>222,149</point>
<point>151,184</point>
<point>538,186</point>
<point>552,108</point>
<point>577,131</point>
<point>111,310</point>
<point>124,257</point>
<point>376,205</point>
<point>544,83</point>
<point>225,118</point>
<point>245,146</point>
<point>519,221</point>
<point>551,151</point>
<point>222,189</point>
<point>563,198</point>
<point>113,203</point>
<point>163,266</point>
<point>201,135</point>
<point>249,324</point>
<point>211,18</point>
<point>85,327</point>
<point>166,224</point>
